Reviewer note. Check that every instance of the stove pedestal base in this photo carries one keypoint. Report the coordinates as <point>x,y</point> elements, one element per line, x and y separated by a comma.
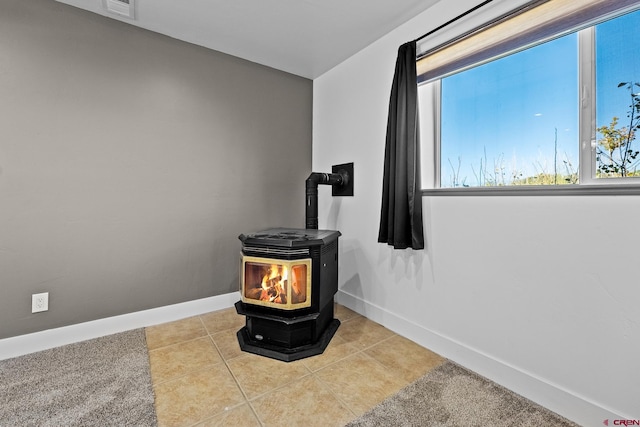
<point>286,338</point>
<point>283,353</point>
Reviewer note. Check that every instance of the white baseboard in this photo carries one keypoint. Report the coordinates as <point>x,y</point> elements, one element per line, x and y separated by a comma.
<point>37,341</point>
<point>553,397</point>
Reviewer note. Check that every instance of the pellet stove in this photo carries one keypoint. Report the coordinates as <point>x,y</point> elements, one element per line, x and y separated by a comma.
<point>288,278</point>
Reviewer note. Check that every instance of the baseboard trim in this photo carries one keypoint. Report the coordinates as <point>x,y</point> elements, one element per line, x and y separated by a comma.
<point>37,341</point>
<point>561,401</point>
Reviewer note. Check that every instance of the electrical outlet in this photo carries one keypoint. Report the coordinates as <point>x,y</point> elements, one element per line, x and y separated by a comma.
<point>40,302</point>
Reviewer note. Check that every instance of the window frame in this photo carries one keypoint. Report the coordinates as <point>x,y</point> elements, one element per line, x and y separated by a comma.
<point>588,183</point>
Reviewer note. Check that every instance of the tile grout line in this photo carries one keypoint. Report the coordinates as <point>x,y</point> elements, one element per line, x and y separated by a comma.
<point>328,388</point>
<point>208,336</point>
<point>154,383</point>
<point>358,351</point>
<point>186,374</point>
<point>177,343</point>
<point>224,360</point>
<point>250,401</point>
<point>310,373</point>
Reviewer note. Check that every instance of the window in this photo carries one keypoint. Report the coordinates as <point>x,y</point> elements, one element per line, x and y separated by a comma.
<point>564,111</point>
<point>618,97</point>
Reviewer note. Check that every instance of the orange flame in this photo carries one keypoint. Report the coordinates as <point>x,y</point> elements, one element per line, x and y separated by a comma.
<point>274,284</point>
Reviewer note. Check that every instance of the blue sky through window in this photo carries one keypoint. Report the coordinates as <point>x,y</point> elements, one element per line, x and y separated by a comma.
<point>617,60</point>
<point>500,119</point>
<point>517,116</point>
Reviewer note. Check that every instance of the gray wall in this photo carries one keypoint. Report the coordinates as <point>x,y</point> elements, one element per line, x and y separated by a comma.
<point>130,162</point>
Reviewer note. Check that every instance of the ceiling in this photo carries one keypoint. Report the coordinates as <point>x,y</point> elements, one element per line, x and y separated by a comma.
<point>302,37</point>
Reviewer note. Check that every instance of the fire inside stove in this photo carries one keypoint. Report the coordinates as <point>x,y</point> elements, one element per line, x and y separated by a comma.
<point>276,283</point>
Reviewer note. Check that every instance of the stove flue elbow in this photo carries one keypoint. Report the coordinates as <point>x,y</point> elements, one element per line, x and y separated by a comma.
<point>338,179</point>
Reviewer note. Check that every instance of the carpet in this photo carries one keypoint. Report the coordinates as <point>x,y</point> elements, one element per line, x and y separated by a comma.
<point>451,396</point>
<point>100,382</point>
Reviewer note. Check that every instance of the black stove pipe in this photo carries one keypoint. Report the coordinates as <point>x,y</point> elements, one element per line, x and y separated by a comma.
<point>312,182</point>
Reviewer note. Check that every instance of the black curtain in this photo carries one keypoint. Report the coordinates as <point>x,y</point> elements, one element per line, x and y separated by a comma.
<point>401,214</point>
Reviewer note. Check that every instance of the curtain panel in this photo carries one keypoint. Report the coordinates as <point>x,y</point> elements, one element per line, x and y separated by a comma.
<point>401,212</point>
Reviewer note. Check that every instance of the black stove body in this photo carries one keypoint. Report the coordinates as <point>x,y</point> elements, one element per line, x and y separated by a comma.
<point>288,280</point>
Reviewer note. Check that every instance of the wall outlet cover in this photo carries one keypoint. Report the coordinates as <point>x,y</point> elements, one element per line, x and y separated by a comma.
<point>40,302</point>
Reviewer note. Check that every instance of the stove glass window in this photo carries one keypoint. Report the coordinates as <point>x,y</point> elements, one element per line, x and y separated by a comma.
<point>276,283</point>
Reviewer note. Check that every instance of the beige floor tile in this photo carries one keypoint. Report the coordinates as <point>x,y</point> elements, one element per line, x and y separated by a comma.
<point>343,314</point>
<point>360,382</point>
<point>241,416</point>
<point>362,332</point>
<point>337,350</point>
<point>227,343</point>
<point>174,332</point>
<point>179,359</point>
<point>196,396</point>
<point>257,374</point>
<point>222,320</point>
<point>305,402</point>
<point>405,358</point>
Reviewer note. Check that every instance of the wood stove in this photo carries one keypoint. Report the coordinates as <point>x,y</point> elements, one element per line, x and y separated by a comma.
<point>288,278</point>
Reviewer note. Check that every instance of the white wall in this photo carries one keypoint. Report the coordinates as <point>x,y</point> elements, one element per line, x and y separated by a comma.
<point>538,293</point>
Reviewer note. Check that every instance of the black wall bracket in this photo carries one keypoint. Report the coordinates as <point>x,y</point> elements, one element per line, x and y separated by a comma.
<point>346,188</point>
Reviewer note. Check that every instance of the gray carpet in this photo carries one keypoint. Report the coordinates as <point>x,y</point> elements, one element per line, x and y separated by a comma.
<point>451,396</point>
<point>100,382</point>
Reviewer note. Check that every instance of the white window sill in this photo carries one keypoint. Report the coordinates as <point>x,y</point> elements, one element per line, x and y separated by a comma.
<point>539,190</point>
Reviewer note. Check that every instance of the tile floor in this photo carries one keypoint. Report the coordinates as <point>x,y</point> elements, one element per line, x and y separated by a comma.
<point>202,378</point>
